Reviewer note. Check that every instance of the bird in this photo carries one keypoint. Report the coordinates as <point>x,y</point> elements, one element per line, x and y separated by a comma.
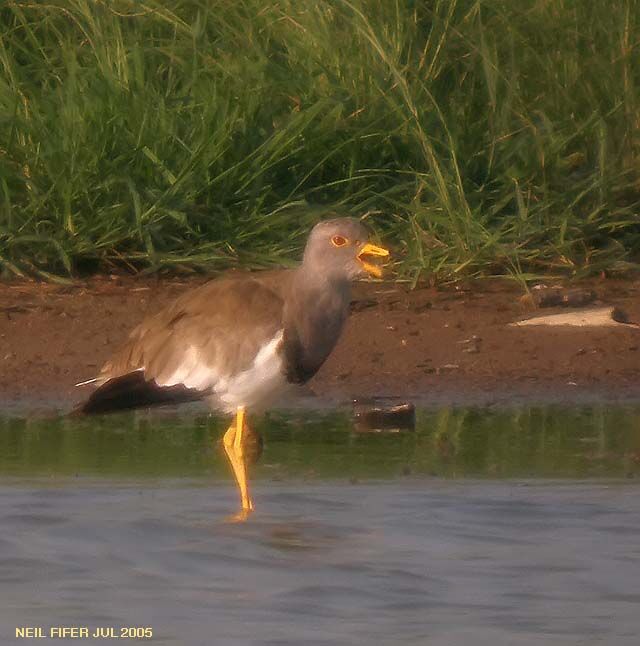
<point>240,341</point>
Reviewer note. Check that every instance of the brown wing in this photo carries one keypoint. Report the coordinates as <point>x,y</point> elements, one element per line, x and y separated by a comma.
<point>205,336</point>
<point>225,322</point>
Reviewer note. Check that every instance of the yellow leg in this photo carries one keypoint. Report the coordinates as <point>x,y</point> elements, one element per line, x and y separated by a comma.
<point>234,447</point>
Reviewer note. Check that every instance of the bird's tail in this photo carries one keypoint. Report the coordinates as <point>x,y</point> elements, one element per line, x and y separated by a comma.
<point>133,391</point>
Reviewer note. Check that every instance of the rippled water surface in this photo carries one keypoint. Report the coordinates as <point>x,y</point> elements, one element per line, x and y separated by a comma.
<point>478,527</point>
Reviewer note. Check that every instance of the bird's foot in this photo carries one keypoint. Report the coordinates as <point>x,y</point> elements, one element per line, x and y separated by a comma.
<point>241,517</point>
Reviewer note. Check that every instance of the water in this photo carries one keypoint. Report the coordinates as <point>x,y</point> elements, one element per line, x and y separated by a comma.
<point>480,527</point>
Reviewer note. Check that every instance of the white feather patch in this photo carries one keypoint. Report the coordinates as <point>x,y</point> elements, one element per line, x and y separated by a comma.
<point>259,382</point>
<point>191,373</point>
<point>256,384</point>
<point>87,382</point>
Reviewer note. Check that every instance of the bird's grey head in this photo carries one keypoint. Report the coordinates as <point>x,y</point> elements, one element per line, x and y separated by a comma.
<point>339,250</point>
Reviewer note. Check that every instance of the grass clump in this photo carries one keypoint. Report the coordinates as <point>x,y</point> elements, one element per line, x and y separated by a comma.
<point>483,136</point>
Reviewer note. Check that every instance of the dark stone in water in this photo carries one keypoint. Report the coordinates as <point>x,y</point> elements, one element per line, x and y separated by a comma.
<point>371,416</point>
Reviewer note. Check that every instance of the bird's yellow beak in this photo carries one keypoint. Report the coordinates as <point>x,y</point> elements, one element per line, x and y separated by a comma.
<point>372,251</point>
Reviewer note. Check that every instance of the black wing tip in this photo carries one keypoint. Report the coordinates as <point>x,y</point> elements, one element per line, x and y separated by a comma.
<point>132,391</point>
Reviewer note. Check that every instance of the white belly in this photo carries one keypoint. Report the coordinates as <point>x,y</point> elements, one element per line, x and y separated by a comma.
<point>255,387</point>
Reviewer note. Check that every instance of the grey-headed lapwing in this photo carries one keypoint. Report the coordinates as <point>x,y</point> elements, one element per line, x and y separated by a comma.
<point>236,342</point>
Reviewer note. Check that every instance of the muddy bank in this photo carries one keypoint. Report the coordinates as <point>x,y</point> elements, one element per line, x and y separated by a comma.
<point>450,345</point>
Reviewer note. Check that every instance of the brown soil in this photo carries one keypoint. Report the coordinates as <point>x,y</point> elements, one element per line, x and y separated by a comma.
<point>451,345</point>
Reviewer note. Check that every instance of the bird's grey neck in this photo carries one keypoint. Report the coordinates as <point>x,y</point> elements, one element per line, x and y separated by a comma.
<point>314,315</point>
<point>310,280</point>
<point>319,299</point>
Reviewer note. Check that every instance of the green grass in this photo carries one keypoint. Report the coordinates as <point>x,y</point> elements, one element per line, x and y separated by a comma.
<point>482,137</point>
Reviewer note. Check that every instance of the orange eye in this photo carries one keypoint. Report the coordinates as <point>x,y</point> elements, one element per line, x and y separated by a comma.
<point>338,241</point>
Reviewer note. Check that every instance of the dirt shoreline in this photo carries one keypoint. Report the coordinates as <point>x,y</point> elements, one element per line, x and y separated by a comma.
<point>434,346</point>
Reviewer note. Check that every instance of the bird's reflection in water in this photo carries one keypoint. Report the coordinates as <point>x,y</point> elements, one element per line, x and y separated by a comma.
<point>271,534</point>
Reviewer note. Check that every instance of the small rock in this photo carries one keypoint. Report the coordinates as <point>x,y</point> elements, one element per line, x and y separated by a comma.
<point>371,416</point>
<point>558,296</point>
<point>473,344</point>
<point>447,367</point>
